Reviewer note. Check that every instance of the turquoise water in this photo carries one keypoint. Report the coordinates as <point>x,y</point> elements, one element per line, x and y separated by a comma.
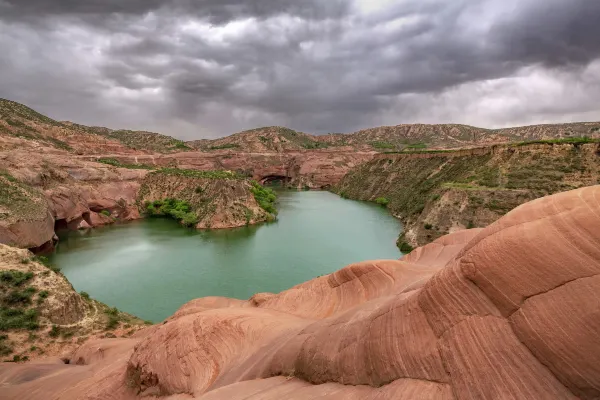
<point>151,267</point>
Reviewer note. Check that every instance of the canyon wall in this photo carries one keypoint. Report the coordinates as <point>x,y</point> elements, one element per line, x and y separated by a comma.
<point>505,312</point>
<point>435,193</point>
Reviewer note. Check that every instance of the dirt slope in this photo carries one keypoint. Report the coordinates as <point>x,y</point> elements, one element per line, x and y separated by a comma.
<point>439,193</point>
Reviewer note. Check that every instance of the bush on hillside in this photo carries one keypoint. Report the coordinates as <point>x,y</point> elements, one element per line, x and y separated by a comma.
<point>177,209</point>
<point>265,197</point>
<point>382,201</point>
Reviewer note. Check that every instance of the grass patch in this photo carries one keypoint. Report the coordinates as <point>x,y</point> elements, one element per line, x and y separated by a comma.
<point>15,318</point>
<point>116,163</point>
<point>192,173</point>
<point>570,140</point>
<point>225,146</point>
<point>15,278</point>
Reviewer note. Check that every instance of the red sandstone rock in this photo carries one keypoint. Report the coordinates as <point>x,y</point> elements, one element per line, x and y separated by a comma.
<point>507,312</point>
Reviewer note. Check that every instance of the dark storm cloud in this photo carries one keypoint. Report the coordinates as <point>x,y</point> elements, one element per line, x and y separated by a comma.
<point>212,67</point>
<point>218,11</point>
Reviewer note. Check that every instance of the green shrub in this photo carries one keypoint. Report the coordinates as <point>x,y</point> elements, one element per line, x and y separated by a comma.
<point>15,278</point>
<point>181,145</point>
<point>19,297</point>
<point>54,332</point>
<point>224,146</point>
<point>105,213</point>
<point>5,348</point>
<point>44,294</point>
<point>116,163</point>
<point>14,318</point>
<point>113,322</point>
<point>85,295</point>
<point>199,190</point>
<point>45,261</point>
<point>173,208</point>
<point>382,201</point>
<point>192,173</point>
<point>405,247</point>
<point>428,226</point>
<point>265,197</point>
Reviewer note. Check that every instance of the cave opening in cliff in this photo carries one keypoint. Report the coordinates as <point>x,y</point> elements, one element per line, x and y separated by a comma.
<point>275,180</point>
<point>61,225</point>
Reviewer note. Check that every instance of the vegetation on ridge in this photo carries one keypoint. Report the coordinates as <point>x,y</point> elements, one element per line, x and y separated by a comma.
<point>177,209</point>
<point>118,164</point>
<point>265,197</point>
<point>192,173</point>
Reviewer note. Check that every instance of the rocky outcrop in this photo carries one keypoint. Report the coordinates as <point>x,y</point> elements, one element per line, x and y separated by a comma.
<point>505,312</point>
<point>224,200</point>
<point>44,192</point>
<point>299,169</point>
<point>436,193</point>
<point>25,219</point>
<point>42,315</point>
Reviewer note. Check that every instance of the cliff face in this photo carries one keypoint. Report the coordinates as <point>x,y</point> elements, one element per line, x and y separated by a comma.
<point>221,202</point>
<point>52,190</point>
<point>439,193</point>
<point>314,170</point>
<point>505,312</point>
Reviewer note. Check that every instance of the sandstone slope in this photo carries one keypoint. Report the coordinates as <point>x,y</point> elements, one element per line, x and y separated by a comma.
<point>506,312</point>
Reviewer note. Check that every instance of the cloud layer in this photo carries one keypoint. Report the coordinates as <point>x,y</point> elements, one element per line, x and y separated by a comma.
<point>193,68</point>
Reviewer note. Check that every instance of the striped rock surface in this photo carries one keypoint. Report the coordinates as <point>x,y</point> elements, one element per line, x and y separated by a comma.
<point>511,311</point>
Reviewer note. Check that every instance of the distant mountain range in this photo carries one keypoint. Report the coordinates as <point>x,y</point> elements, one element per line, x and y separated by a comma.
<point>21,121</point>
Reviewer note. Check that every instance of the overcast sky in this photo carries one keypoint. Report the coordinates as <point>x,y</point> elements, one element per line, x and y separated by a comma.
<point>209,68</point>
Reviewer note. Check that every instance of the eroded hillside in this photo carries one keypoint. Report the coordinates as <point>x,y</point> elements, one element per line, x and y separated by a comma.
<point>213,199</point>
<point>439,193</point>
<point>41,315</point>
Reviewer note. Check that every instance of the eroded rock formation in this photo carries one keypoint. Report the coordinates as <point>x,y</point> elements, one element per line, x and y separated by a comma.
<point>505,312</point>
<point>439,193</point>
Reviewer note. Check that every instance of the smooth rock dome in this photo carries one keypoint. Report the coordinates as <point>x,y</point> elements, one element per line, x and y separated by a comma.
<point>507,312</point>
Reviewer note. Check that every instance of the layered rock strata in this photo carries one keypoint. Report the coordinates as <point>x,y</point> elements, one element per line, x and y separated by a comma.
<point>505,312</point>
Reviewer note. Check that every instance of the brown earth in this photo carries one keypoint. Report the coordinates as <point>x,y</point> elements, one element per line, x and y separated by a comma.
<point>65,318</point>
<point>218,203</point>
<point>391,138</point>
<point>439,193</point>
<point>505,312</point>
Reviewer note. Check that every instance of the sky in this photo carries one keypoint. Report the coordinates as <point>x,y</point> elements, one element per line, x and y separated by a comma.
<point>209,68</point>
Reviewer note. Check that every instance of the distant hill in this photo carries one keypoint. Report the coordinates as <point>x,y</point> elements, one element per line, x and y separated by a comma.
<point>21,121</point>
<point>268,139</point>
<point>393,138</point>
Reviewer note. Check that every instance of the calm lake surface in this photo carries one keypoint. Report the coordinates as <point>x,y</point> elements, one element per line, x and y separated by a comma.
<point>150,268</point>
